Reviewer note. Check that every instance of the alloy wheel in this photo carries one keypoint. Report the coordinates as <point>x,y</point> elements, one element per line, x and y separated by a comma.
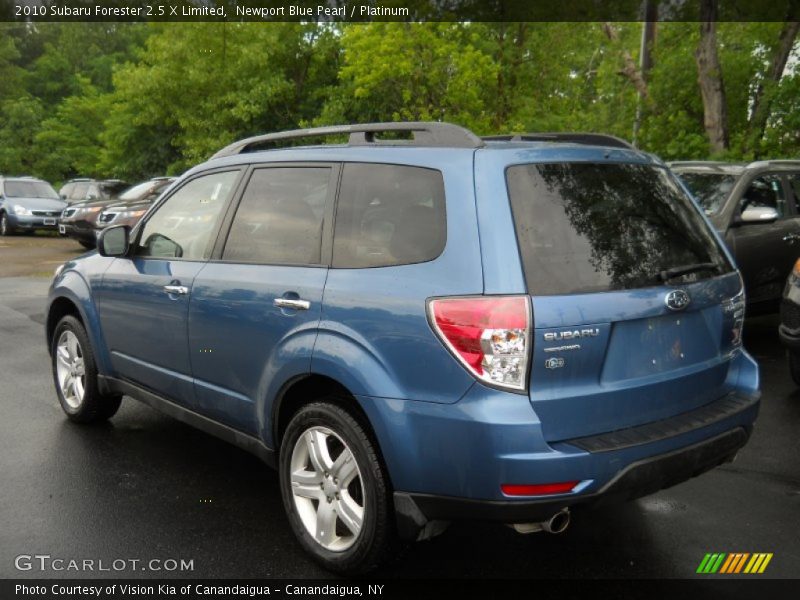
<point>327,488</point>
<point>70,369</point>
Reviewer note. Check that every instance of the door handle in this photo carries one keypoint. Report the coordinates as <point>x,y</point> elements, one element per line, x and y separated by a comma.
<point>295,304</point>
<point>181,290</point>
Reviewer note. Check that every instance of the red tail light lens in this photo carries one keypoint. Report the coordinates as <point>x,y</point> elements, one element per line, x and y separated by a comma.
<point>541,489</point>
<point>489,335</point>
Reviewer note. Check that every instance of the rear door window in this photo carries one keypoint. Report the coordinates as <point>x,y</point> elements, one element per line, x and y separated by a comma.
<point>279,219</point>
<point>585,227</point>
<point>389,215</point>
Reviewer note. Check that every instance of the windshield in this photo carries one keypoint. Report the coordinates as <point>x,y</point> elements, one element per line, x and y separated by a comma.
<point>30,189</point>
<point>585,227</point>
<point>136,191</point>
<point>710,189</point>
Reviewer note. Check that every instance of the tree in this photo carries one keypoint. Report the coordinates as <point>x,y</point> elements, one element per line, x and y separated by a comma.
<point>413,71</point>
<point>709,76</point>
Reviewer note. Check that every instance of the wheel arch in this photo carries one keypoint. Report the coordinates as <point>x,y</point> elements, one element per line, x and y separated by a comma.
<point>312,387</point>
<point>71,295</point>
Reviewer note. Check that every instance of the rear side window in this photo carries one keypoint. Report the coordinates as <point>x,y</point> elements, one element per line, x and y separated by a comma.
<point>389,215</point>
<point>586,227</point>
<point>279,220</point>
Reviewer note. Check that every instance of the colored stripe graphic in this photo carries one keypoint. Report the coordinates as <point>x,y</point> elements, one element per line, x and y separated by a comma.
<point>735,562</point>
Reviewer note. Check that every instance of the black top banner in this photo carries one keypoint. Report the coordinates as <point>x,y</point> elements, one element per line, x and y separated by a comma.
<point>395,10</point>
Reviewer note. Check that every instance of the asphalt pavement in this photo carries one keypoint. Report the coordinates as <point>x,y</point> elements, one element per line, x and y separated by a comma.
<point>146,487</point>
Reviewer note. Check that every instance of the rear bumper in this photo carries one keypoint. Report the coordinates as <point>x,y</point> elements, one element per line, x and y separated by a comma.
<point>450,461</point>
<point>646,476</point>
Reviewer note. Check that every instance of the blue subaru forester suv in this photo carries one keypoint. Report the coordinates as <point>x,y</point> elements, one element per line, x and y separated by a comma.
<point>419,325</point>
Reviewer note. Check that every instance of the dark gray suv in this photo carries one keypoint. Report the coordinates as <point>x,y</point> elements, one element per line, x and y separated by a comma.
<point>756,208</point>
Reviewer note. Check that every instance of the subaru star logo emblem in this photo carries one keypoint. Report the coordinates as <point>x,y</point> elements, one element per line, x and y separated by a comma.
<point>677,300</point>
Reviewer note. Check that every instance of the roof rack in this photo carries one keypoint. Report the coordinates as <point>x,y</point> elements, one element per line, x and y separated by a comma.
<point>591,139</point>
<point>430,134</point>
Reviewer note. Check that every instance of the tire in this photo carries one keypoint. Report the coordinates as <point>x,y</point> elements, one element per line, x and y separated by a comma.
<point>794,366</point>
<point>338,549</point>
<point>87,245</point>
<point>5,225</point>
<point>75,375</point>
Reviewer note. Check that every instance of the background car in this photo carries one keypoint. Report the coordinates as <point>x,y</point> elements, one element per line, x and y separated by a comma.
<point>133,203</point>
<point>79,218</point>
<point>756,208</point>
<point>85,189</point>
<point>28,204</point>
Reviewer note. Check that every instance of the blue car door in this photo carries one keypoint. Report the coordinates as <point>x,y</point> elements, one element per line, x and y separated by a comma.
<point>143,298</point>
<point>255,307</point>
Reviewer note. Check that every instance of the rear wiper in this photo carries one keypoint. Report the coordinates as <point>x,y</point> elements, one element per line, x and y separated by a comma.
<point>686,269</point>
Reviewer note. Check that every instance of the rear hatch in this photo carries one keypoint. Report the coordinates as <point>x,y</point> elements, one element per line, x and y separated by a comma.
<point>637,311</point>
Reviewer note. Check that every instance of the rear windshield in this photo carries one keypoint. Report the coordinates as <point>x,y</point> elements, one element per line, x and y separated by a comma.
<point>710,189</point>
<point>30,189</point>
<point>585,227</point>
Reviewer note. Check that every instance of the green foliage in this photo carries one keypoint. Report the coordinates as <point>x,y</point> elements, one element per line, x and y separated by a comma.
<point>137,100</point>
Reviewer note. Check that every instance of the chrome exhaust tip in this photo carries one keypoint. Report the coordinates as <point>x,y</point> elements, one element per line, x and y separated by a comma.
<point>558,523</point>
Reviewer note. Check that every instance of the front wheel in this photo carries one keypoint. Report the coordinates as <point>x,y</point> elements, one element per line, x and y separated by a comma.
<point>794,366</point>
<point>5,225</point>
<point>75,375</point>
<point>335,490</point>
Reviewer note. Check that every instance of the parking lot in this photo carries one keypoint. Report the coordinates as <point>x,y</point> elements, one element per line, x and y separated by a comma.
<point>145,486</point>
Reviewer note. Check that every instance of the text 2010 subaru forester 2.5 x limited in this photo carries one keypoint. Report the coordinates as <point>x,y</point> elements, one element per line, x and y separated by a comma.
<point>420,325</point>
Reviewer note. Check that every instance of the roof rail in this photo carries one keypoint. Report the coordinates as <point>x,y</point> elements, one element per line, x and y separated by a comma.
<point>431,134</point>
<point>591,139</point>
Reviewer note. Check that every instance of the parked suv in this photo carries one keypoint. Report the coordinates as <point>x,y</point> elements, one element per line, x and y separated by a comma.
<point>420,330</point>
<point>756,208</point>
<point>27,204</point>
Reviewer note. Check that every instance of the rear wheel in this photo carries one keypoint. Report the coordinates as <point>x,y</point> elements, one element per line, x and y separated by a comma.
<point>335,490</point>
<point>794,366</point>
<point>75,375</point>
<point>5,225</point>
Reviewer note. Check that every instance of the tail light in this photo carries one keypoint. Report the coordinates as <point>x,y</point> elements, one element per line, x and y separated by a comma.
<point>489,335</point>
<point>733,309</point>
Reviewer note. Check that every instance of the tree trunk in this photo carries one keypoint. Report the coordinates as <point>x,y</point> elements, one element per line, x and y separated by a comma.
<point>629,68</point>
<point>709,76</point>
<point>762,100</point>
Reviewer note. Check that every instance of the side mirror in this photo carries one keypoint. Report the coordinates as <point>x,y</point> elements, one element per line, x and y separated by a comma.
<point>759,214</point>
<point>114,241</point>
